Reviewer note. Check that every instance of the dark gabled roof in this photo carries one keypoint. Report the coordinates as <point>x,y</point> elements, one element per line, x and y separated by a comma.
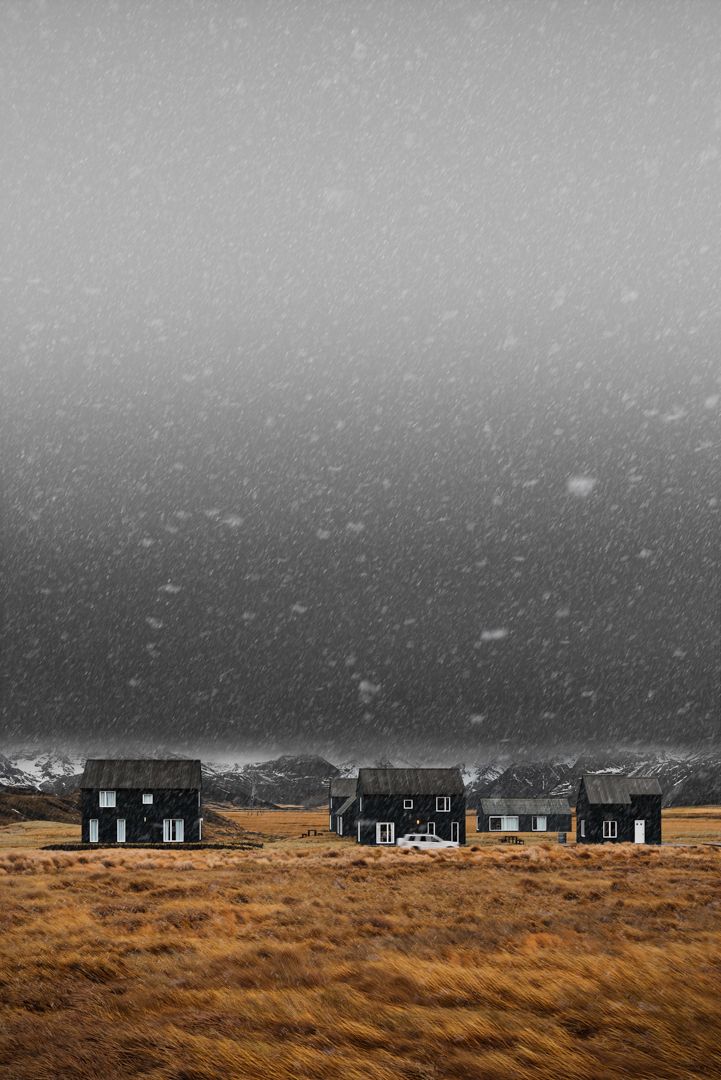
<point>350,801</point>
<point>410,782</point>
<point>544,806</point>
<point>343,785</point>
<point>615,790</point>
<point>116,773</point>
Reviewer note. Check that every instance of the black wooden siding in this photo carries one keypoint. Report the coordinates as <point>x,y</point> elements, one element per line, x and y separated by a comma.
<point>377,808</point>
<point>554,823</point>
<point>143,823</point>
<point>646,807</point>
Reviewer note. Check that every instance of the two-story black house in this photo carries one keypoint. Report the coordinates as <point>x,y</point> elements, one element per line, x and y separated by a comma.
<point>340,790</point>
<point>524,815</point>
<point>613,809</point>
<point>141,801</point>
<point>394,802</point>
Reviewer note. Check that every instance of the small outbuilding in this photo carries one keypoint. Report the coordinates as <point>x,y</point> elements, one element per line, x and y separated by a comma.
<point>340,790</point>
<point>613,809</point>
<point>395,802</point>
<point>524,815</point>
<point>141,801</point>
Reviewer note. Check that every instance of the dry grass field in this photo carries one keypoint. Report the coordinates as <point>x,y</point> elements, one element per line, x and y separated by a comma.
<point>319,959</point>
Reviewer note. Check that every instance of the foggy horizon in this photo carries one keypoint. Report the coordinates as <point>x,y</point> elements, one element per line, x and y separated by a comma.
<point>361,382</point>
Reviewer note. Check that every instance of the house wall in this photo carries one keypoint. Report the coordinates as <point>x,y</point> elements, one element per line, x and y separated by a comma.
<point>143,824</point>
<point>349,822</point>
<point>390,808</point>
<point>334,804</point>
<point>646,807</point>
<point>554,822</point>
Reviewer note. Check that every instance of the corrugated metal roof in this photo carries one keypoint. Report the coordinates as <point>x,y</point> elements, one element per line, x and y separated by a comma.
<point>116,773</point>
<point>343,785</point>
<point>346,805</point>
<point>525,806</point>
<point>410,782</point>
<point>615,790</point>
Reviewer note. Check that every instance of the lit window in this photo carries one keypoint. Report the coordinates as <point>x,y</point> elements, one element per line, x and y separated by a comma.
<point>107,798</point>
<point>147,798</point>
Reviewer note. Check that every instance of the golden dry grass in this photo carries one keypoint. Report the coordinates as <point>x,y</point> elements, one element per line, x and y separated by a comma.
<point>327,961</point>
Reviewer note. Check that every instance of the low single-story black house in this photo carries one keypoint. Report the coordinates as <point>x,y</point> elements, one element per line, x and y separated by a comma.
<point>613,809</point>
<point>524,815</point>
<point>141,801</point>
<point>394,802</point>
<point>339,790</point>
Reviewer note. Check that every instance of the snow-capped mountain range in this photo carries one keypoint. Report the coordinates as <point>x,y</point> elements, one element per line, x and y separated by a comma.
<point>687,780</point>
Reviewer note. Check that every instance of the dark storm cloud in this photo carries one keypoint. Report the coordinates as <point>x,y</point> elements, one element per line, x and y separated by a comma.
<point>361,380</point>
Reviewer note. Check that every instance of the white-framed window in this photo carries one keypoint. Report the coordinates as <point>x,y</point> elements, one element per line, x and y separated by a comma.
<point>360,802</point>
<point>503,824</point>
<point>120,830</point>
<point>454,831</point>
<point>147,798</point>
<point>408,804</point>
<point>538,823</point>
<point>582,827</point>
<point>385,832</point>
<point>610,830</point>
<point>107,798</point>
<point>93,830</point>
<point>200,828</point>
<point>340,826</point>
<point>330,822</point>
<point>443,804</point>
<point>173,830</point>
<point>431,828</point>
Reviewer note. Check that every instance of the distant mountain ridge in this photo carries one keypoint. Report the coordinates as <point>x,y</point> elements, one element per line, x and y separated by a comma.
<point>302,779</point>
<point>694,780</point>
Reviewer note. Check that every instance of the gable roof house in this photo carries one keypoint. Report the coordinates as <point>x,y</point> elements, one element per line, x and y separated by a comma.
<point>341,803</point>
<point>141,801</point>
<point>394,802</point>
<point>524,815</point>
<point>618,809</point>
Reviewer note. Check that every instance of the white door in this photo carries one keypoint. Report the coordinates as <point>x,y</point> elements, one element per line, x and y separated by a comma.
<point>120,830</point>
<point>639,832</point>
<point>454,831</point>
<point>93,831</point>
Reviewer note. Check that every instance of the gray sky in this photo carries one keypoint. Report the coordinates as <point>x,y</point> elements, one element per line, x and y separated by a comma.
<point>392,273</point>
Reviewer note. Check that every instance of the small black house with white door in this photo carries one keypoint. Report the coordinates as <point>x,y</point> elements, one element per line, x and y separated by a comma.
<point>395,802</point>
<point>613,809</point>
<point>145,801</point>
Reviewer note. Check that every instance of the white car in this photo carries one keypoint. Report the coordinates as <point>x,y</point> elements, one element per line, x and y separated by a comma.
<point>426,841</point>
